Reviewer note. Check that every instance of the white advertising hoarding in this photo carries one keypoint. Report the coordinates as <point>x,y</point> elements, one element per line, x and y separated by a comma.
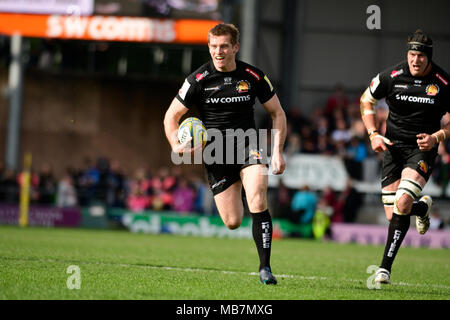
<point>315,171</point>
<point>64,7</point>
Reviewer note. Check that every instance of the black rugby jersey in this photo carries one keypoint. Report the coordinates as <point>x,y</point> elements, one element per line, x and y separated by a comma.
<point>225,100</point>
<point>416,104</point>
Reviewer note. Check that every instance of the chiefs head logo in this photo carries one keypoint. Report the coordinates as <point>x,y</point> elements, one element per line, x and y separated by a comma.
<point>255,154</point>
<point>432,90</point>
<point>242,86</point>
<point>423,166</point>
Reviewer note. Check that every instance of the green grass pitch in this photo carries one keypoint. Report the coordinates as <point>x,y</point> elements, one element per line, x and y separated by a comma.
<point>122,265</point>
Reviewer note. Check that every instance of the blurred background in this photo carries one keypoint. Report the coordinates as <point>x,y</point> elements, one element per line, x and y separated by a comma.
<point>85,85</point>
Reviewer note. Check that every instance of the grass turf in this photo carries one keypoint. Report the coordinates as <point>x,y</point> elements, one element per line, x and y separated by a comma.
<point>123,265</point>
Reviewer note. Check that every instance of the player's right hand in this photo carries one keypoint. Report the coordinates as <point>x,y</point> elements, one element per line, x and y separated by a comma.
<point>185,147</point>
<point>378,142</point>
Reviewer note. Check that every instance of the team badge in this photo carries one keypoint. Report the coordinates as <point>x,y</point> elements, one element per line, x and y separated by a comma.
<point>423,166</point>
<point>242,86</point>
<point>432,90</point>
<point>255,154</point>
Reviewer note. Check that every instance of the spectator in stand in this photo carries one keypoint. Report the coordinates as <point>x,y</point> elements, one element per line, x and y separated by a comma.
<point>118,187</point>
<point>349,202</point>
<point>381,115</point>
<point>9,187</point>
<point>436,221</point>
<point>85,182</point>
<point>102,186</point>
<point>183,197</point>
<point>66,195</point>
<point>282,208</point>
<point>34,185</point>
<point>47,185</point>
<point>324,145</point>
<point>303,205</point>
<point>308,140</point>
<point>322,125</point>
<point>293,145</point>
<point>341,133</point>
<point>356,153</point>
<point>163,185</point>
<point>337,100</point>
<point>139,199</point>
<point>328,198</point>
<point>200,188</point>
<point>297,119</point>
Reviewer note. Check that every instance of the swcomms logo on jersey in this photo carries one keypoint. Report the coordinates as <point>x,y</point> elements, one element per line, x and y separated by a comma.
<point>228,99</point>
<point>406,98</point>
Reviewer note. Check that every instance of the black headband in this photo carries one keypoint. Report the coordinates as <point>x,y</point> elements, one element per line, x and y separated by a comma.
<point>421,47</point>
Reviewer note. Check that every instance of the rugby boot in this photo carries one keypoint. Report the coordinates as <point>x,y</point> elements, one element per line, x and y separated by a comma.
<point>382,276</point>
<point>266,276</point>
<point>423,223</point>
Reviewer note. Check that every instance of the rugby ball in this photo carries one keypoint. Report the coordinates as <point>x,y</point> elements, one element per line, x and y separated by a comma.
<point>192,127</point>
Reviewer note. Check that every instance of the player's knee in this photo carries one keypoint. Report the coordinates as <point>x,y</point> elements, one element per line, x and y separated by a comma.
<point>257,202</point>
<point>407,192</point>
<point>404,204</point>
<point>232,223</point>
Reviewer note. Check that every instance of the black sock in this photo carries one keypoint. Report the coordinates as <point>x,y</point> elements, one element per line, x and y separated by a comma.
<point>419,209</point>
<point>398,227</point>
<point>262,235</point>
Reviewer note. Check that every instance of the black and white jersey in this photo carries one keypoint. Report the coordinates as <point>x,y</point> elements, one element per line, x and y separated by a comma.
<point>416,104</point>
<point>225,100</point>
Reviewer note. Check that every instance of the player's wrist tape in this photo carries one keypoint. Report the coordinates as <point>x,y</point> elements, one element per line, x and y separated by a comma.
<point>377,135</point>
<point>437,138</point>
<point>371,132</point>
<point>366,112</point>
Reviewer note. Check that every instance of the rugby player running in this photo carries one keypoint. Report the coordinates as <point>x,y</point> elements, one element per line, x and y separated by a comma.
<point>417,92</point>
<point>224,91</point>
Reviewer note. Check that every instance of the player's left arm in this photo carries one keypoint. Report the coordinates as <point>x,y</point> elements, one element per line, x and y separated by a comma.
<point>427,141</point>
<point>276,112</point>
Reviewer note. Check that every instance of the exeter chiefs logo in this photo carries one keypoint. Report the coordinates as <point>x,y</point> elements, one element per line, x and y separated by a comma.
<point>242,86</point>
<point>422,166</point>
<point>432,90</point>
<point>255,154</point>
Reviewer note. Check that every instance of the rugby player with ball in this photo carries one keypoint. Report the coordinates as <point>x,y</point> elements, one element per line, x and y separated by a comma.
<point>224,91</point>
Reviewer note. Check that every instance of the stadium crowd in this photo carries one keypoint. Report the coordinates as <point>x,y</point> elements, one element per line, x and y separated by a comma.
<point>333,129</point>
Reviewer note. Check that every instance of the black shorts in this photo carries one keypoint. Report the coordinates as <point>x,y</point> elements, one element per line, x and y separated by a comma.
<point>223,175</point>
<point>399,157</point>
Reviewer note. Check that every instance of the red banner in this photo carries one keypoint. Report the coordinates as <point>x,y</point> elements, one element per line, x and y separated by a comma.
<point>107,28</point>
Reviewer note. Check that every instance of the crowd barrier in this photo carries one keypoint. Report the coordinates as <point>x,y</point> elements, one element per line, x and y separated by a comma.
<point>191,224</point>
